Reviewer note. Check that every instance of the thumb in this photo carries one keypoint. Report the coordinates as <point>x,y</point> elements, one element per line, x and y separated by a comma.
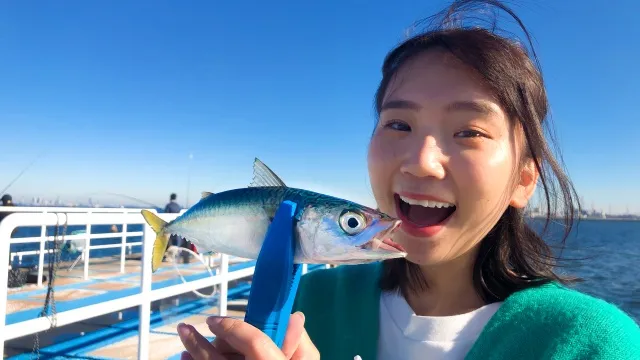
<point>292,337</point>
<point>306,349</point>
<point>297,345</point>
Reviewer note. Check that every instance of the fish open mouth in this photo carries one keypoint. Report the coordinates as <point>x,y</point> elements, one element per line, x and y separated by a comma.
<point>382,240</point>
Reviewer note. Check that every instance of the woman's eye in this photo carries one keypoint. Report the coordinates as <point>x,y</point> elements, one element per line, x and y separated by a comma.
<point>468,134</point>
<point>397,125</point>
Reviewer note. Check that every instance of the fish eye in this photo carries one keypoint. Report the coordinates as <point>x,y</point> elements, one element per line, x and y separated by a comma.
<point>352,222</point>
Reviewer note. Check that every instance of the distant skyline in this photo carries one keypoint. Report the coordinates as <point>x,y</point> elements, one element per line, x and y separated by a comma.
<point>125,201</point>
<point>117,97</point>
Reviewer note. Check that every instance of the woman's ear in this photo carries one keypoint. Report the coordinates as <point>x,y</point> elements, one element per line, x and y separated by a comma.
<point>526,185</point>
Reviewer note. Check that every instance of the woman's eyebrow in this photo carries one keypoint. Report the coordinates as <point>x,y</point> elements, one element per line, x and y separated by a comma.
<point>478,106</point>
<point>400,104</point>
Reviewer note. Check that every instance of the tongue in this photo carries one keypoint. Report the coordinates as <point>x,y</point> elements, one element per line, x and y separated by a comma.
<point>426,216</point>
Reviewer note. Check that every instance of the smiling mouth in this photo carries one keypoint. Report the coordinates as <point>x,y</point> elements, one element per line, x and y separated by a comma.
<point>422,216</point>
<point>382,240</point>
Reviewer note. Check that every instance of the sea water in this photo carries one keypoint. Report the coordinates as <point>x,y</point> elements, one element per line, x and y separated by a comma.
<point>606,255</point>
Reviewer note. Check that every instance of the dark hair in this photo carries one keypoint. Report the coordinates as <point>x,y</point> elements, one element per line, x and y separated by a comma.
<point>173,196</point>
<point>512,256</point>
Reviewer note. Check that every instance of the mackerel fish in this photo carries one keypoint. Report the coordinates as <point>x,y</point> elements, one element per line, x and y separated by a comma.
<point>327,230</point>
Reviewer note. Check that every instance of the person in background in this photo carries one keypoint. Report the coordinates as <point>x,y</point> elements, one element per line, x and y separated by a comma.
<point>7,200</point>
<point>173,207</point>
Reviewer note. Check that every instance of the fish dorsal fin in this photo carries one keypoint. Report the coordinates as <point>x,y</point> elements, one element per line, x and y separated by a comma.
<point>263,176</point>
<point>206,194</point>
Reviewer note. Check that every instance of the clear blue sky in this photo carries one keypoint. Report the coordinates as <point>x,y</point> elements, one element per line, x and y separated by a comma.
<point>118,94</point>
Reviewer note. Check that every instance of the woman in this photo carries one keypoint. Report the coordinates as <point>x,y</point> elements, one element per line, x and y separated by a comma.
<point>456,154</point>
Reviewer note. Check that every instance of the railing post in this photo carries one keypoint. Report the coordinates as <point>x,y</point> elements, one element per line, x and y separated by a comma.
<point>224,284</point>
<point>124,243</point>
<point>43,237</point>
<point>5,249</point>
<point>145,290</point>
<point>87,247</point>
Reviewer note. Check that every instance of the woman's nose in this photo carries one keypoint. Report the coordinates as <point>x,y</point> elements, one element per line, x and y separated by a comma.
<point>424,159</point>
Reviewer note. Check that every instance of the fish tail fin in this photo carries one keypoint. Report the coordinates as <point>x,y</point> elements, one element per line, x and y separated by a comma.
<point>160,244</point>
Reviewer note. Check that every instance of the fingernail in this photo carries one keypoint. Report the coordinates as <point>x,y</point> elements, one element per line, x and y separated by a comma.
<point>214,321</point>
<point>299,313</point>
<point>183,329</point>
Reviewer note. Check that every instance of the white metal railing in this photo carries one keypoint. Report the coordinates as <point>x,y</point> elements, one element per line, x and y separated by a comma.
<point>85,237</point>
<point>126,247</point>
<point>43,209</point>
<point>143,299</point>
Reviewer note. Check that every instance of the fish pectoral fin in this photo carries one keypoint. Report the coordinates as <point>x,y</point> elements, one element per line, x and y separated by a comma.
<point>205,194</point>
<point>263,176</point>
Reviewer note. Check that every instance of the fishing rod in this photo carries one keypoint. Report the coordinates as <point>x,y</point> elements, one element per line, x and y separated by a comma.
<point>22,173</point>
<point>129,197</point>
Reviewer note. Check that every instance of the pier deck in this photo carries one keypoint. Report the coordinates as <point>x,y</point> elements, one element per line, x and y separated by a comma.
<point>114,336</point>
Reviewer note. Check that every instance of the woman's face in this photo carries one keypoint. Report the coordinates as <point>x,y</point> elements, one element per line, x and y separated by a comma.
<point>443,158</point>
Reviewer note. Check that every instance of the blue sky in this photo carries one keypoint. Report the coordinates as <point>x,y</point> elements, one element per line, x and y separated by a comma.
<point>118,94</point>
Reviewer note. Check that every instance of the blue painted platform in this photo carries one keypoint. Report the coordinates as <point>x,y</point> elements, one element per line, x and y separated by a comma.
<point>101,296</point>
<point>72,346</point>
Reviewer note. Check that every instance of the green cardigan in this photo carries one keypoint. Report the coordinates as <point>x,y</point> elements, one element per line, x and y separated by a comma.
<point>548,322</point>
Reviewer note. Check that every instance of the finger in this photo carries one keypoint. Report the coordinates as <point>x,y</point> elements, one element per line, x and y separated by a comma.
<point>186,356</point>
<point>293,334</point>
<point>222,346</point>
<point>244,338</point>
<point>306,349</point>
<point>198,347</point>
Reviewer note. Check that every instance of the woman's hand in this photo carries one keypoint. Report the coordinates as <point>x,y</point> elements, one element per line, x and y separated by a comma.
<point>236,339</point>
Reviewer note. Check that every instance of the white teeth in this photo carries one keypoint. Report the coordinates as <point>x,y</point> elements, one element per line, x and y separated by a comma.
<point>426,203</point>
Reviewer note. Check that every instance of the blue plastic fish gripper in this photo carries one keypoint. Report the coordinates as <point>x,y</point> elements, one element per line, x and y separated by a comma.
<point>276,277</point>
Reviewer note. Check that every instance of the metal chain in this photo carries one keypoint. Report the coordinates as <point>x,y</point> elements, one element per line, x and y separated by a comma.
<point>52,271</point>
